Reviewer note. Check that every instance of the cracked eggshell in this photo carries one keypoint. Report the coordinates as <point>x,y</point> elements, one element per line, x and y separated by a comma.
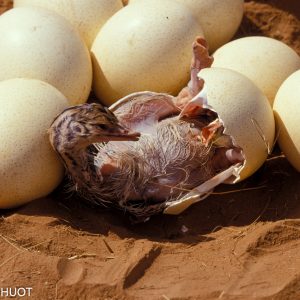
<point>266,61</point>
<point>29,167</point>
<point>218,19</point>
<point>245,111</point>
<point>145,46</point>
<point>287,111</point>
<point>87,16</point>
<point>40,44</point>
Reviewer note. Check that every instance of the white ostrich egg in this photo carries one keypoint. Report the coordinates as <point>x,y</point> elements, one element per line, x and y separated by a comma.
<point>87,16</point>
<point>40,44</point>
<point>266,61</point>
<point>145,46</point>
<point>219,19</point>
<point>29,167</point>
<point>287,111</point>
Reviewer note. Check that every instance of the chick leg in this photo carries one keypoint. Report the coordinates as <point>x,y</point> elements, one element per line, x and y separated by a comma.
<point>200,60</point>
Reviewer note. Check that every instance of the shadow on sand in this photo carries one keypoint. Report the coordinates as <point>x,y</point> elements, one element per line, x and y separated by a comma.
<point>271,194</point>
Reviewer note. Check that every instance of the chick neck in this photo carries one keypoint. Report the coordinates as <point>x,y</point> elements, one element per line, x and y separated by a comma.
<point>75,152</point>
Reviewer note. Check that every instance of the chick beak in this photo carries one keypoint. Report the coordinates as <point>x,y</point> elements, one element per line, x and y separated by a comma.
<point>121,133</point>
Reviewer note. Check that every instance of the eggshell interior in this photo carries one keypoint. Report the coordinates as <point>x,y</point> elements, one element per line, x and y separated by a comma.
<point>287,112</point>
<point>245,111</point>
<point>266,61</point>
<point>87,16</point>
<point>29,168</point>
<point>40,44</point>
<point>219,19</point>
<point>145,46</point>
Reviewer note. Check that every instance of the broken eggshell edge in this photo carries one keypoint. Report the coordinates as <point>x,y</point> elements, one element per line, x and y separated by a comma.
<point>199,193</point>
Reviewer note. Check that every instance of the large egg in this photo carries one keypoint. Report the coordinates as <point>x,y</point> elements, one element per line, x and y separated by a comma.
<point>144,46</point>
<point>40,44</point>
<point>29,168</point>
<point>245,111</point>
<point>87,16</point>
<point>266,61</point>
<point>219,19</point>
<point>287,112</point>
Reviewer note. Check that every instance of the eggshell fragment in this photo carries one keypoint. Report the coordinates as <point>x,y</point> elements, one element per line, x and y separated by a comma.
<point>87,16</point>
<point>218,19</point>
<point>245,111</point>
<point>145,46</point>
<point>40,44</point>
<point>287,112</point>
<point>29,168</point>
<point>266,61</point>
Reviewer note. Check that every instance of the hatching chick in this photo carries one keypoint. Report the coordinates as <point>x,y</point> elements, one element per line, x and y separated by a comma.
<point>113,165</point>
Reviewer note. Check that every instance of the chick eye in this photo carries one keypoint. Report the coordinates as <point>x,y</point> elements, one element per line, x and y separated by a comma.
<point>103,126</point>
<point>77,129</point>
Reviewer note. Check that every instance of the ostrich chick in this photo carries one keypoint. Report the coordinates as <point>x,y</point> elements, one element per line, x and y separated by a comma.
<point>111,164</point>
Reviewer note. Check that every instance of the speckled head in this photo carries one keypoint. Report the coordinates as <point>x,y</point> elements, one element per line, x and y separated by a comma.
<point>79,126</point>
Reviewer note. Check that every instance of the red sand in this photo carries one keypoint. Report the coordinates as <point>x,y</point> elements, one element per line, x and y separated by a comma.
<point>239,245</point>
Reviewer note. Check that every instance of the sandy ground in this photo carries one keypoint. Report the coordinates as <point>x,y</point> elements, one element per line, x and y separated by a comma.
<point>239,243</point>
